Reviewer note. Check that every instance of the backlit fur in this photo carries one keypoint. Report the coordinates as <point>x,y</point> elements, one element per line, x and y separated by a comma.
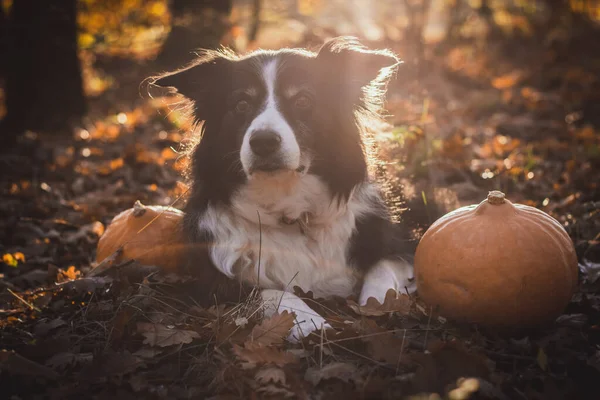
<point>306,214</point>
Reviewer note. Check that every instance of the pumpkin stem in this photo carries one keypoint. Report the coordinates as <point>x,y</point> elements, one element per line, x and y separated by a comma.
<point>138,209</point>
<point>495,197</point>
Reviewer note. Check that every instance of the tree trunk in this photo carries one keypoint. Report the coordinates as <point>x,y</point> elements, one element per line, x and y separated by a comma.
<point>3,38</point>
<point>44,90</point>
<point>193,28</point>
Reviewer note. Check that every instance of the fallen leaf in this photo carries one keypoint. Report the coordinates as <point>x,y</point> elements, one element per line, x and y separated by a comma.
<point>85,285</point>
<point>542,359</point>
<point>163,336</point>
<point>337,370</point>
<point>273,330</point>
<point>147,352</point>
<point>276,392</point>
<point>20,257</point>
<point>445,363</point>
<point>44,327</point>
<point>253,354</point>
<point>9,260</point>
<point>270,374</point>
<point>506,81</point>
<point>63,360</point>
<point>393,302</point>
<point>69,275</point>
<point>16,364</point>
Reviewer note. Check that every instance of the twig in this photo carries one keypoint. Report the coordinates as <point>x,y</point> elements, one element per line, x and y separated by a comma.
<point>427,330</point>
<point>401,351</point>
<point>321,352</point>
<point>28,304</point>
<point>259,246</point>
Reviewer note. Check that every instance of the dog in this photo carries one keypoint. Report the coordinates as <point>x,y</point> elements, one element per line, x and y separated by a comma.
<point>281,194</point>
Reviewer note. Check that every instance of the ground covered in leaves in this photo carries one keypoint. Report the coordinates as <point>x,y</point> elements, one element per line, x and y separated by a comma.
<point>462,123</point>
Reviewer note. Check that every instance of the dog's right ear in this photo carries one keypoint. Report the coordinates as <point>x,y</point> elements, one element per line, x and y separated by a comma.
<point>198,80</point>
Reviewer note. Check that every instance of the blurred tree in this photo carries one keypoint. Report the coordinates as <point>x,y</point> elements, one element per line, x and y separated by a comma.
<point>196,24</point>
<point>44,90</point>
<point>3,37</point>
<point>417,14</point>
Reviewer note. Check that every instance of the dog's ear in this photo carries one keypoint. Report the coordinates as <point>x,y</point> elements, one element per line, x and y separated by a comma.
<point>354,65</point>
<point>199,80</point>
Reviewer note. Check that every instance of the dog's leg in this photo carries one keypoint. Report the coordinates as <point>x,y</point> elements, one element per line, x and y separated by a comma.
<point>307,320</point>
<point>385,275</point>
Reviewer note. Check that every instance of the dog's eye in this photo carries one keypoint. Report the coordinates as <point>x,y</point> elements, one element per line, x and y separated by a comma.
<point>302,102</point>
<point>242,107</point>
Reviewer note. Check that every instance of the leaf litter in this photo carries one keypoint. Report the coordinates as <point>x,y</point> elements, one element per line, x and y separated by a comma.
<point>469,125</point>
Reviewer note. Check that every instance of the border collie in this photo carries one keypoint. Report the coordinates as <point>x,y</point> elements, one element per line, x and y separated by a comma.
<point>281,193</point>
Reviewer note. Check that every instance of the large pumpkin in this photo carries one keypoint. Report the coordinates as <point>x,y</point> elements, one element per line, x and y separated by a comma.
<point>151,235</point>
<point>497,264</point>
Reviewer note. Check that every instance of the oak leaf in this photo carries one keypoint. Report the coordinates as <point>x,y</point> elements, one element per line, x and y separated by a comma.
<point>254,353</point>
<point>273,330</point>
<point>393,302</point>
<point>338,370</point>
<point>163,336</point>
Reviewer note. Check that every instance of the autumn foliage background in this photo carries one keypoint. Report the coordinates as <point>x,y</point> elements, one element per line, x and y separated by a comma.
<point>496,94</point>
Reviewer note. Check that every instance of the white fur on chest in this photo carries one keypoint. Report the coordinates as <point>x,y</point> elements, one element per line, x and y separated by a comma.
<point>315,259</point>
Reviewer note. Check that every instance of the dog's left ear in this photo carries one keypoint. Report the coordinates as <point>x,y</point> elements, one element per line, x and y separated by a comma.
<point>199,80</point>
<point>353,64</point>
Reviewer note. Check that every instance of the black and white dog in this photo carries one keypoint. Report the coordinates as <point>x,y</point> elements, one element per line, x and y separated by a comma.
<point>281,194</point>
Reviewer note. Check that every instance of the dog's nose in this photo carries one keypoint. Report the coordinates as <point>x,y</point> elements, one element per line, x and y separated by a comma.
<point>265,142</point>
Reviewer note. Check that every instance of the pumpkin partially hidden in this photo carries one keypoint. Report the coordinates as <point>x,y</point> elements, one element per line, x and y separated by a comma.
<point>151,235</point>
<point>497,264</point>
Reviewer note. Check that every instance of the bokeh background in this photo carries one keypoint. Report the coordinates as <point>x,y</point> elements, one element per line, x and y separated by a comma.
<point>492,95</point>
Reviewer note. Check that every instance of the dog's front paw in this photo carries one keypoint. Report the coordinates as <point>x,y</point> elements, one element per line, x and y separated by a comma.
<point>387,274</point>
<point>305,324</point>
<point>307,320</point>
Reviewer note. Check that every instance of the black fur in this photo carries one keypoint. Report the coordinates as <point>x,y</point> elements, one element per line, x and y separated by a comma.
<point>346,82</point>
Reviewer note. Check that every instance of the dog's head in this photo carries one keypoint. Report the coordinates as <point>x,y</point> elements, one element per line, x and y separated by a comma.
<point>285,110</point>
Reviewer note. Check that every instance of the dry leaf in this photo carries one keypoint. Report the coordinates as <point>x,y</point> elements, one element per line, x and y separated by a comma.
<point>147,352</point>
<point>61,361</point>
<point>162,336</point>
<point>270,374</point>
<point>44,327</point>
<point>276,392</point>
<point>69,275</point>
<point>273,330</point>
<point>18,365</point>
<point>394,302</point>
<point>383,345</point>
<point>507,81</point>
<point>254,353</point>
<point>337,370</point>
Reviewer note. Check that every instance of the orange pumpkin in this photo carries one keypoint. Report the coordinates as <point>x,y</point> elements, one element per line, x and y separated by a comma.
<point>497,264</point>
<point>151,235</point>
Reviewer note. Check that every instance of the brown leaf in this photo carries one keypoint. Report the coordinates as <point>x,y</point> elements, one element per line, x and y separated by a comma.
<point>163,336</point>
<point>273,330</point>
<point>382,344</point>
<point>61,361</point>
<point>254,353</point>
<point>270,374</point>
<point>394,302</point>
<point>69,275</point>
<point>16,364</point>
<point>226,331</point>
<point>445,363</point>
<point>147,353</point>
<point>507,81</point>
<point>338,370</point>
<point>44,327</point>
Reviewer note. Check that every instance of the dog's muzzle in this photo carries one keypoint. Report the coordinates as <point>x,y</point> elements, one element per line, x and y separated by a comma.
<point>266,151</point>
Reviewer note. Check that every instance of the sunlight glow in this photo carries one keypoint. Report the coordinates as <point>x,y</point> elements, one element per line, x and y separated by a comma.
<point>122,118</point>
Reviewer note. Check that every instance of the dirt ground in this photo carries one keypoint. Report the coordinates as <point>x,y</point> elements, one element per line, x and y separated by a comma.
<point>463,121</point>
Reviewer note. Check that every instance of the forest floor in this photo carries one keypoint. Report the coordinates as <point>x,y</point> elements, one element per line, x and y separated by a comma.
<point>464,121</point>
